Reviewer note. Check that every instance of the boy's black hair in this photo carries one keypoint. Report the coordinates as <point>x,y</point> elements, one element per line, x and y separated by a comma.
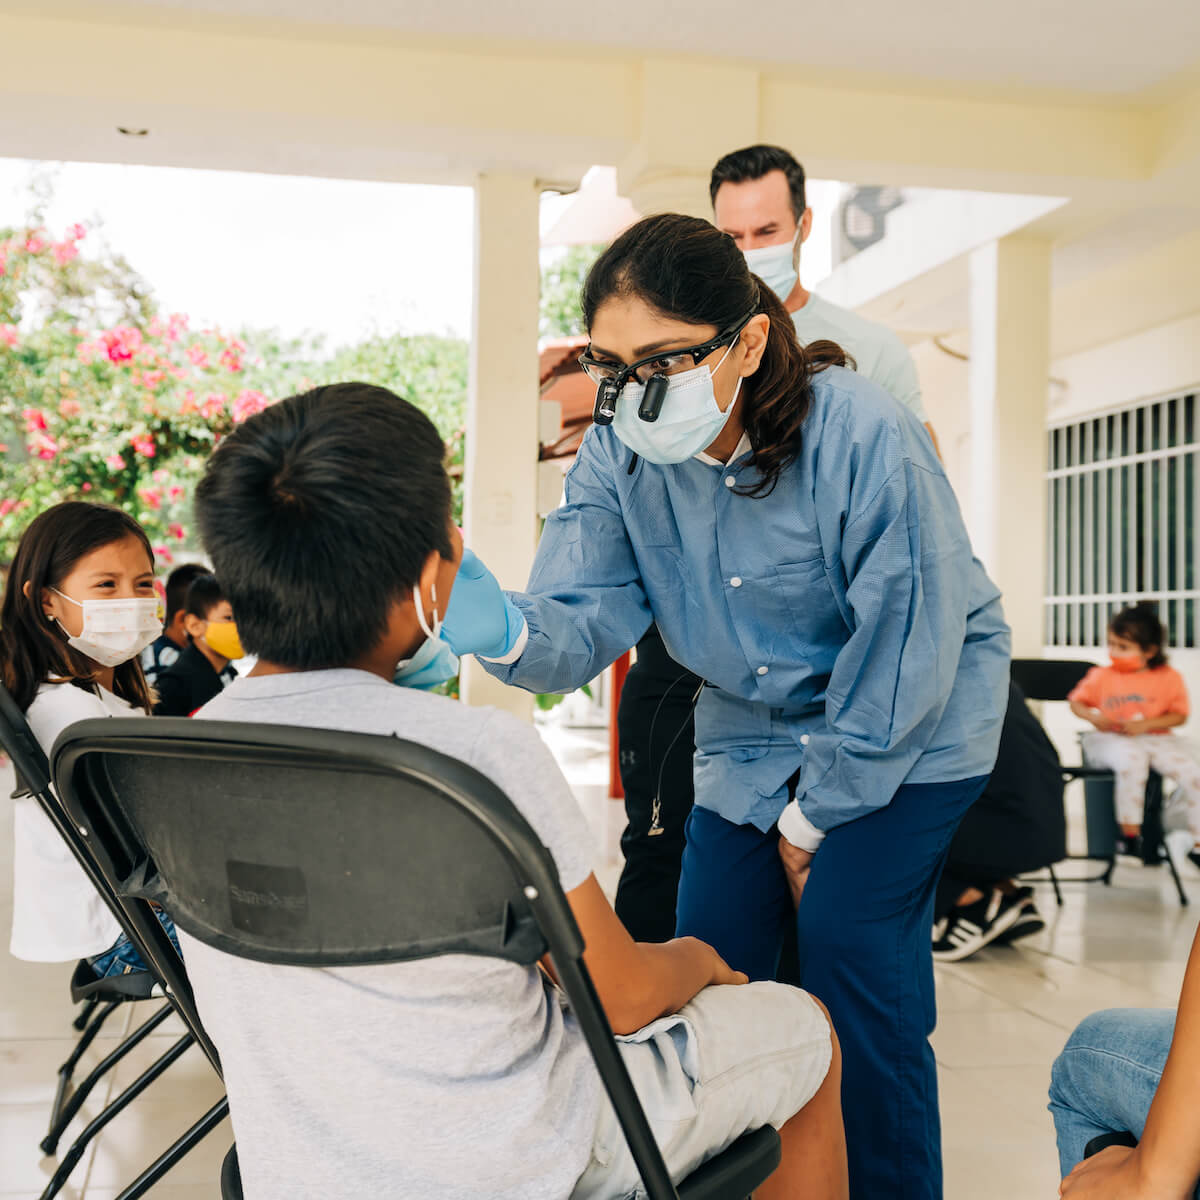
<point>1140,624</point>
<point>177,586</point>
<point>318,514</point>
<point>204,594</point>
<point>753,162</point>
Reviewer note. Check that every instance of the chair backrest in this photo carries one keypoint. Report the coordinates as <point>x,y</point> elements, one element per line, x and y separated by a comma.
<point>29,759</point>
<point>318,848</point>
<point>1048,678</point>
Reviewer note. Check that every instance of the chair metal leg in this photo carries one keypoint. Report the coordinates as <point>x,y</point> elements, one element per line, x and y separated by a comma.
<point>70,1160</point>
<point>68,1069</point>
<point>1183,897</point>
<point>88,1006</point>
<point>161,1165</point>
<point>1106,878</point>
<point>64,1116</point>
<point>1058,896</point>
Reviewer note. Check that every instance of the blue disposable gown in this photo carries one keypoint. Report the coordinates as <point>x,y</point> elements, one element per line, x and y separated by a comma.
<point>841,621</point>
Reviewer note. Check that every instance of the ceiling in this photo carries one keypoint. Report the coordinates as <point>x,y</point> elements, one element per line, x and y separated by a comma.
<point>1097,47</point>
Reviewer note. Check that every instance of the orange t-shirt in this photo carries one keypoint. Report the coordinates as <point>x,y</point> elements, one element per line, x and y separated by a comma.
<point>1133,695</point>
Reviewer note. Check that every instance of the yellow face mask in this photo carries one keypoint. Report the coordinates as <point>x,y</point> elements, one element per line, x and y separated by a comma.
<point>222,638</point>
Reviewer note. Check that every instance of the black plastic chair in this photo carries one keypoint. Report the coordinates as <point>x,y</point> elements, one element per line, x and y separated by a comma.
<point>1053,680</point>
<point>418,855</point>
<point>100,997</point>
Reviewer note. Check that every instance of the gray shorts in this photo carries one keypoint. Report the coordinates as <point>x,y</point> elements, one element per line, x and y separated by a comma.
<point>733,1060</point>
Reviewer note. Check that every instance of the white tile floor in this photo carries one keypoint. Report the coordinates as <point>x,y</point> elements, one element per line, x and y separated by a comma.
<point>1003,1017</point>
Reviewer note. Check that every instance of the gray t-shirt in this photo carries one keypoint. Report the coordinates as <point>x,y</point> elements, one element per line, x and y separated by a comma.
<point>452,1077</point>
<point>877,352</point>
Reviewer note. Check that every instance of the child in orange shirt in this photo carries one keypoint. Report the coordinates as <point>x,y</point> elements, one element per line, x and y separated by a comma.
<point>1134,704</point>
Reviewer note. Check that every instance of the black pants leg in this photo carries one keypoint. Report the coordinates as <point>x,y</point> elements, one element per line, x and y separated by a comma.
<point>656,734</point>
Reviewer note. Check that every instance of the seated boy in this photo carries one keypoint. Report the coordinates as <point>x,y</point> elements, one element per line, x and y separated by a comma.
<point>172,642</point>
<point>327,517</point>
<point>204,667</point>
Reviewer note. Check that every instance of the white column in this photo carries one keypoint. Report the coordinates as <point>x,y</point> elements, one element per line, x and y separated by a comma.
<point>1008,383</point>
<point>500,512</point>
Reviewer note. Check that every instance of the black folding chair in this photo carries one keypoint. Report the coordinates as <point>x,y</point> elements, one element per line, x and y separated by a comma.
<point>352,849</point>
<point>1053,680</point>
<point>100,997</point>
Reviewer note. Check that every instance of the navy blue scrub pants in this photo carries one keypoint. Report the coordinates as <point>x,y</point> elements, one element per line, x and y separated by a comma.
<point>864,932</point>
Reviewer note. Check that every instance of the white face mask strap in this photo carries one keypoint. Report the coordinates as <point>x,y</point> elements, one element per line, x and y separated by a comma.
<point>66,597</point>
<point>420,607</point>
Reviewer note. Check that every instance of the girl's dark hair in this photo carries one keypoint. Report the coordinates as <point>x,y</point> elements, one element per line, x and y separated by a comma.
<point>33,649</point>
<point>1140,624</point>
<point>687,269</point>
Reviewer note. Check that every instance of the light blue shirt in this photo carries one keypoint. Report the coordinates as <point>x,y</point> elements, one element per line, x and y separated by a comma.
<point>877,352</point>
<point>842,622</point>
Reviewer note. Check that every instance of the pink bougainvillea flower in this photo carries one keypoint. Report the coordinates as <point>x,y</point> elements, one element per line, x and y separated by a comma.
<point>35,243</point>
<point>176,493</point>
<point>44,446</point>
<point>214,405</point>
<point>164,553</point>
<point>122,343</point>
<point>35,420</point>
<point>8,333</point>
<point>87,487</point>
<point>114,462</point>
<point>160,476</point>
<point>86,352</point>
<point>144,445</point>
<point>247,404</point>
<point>188,403</point>
<point>176,531</point>
<point>77,233</point>
<point>151,496</point>
<point>70,408</point>
<point>152,379</point>
<point>197,355</point>
<point>64,252</point>
<point>6,506</point>
<point>177,325</point>
<point>231,360</point>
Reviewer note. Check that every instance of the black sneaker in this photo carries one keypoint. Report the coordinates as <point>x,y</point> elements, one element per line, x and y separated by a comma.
<point>1028,922</point>
<point>1131,846</point>
<point>972,927</point>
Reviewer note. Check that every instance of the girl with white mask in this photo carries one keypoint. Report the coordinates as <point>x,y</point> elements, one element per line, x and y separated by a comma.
<point>79,607</point>
<point>791,532</point>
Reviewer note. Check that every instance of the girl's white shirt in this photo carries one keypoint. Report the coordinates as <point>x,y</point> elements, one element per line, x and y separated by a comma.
<point>58,916</point>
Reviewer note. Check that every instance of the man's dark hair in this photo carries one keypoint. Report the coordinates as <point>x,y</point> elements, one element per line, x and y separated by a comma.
<point>742,166</point>
<point>318,514</point>
<point>178,583</point>
<point>204,594</point>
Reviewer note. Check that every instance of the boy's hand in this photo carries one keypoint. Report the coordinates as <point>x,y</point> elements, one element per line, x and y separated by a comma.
<point>1110,1175</point>
<point>722,972</point>
<point>1107,724</point>
<point>1133,728</point>
<point>480,618</point>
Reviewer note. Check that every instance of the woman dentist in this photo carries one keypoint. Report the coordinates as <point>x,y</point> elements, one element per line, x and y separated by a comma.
<point>791,530</point>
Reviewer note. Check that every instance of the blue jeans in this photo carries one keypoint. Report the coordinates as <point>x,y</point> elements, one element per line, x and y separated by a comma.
<point>122,957</point>
<point>865,952</point>
<point>1106,1077</point>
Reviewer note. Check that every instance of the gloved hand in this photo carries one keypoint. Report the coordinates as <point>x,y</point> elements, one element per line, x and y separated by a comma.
<point>480,618</point>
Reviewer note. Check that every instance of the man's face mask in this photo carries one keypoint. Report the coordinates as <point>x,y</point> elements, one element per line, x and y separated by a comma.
<point>114,631</point>
<point>434,662</point>
<point>776,266</point>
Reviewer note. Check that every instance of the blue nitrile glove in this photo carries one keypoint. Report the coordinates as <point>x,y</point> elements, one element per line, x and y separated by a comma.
<point>480,618</point>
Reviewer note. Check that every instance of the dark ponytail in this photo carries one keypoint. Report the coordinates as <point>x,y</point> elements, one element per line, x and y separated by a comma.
<point>687,269</point>
<point>1140,624</point>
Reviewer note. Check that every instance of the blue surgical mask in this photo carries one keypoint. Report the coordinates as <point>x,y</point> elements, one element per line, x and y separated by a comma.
<point>689,421</point>
<point>775,266</point>
<point>434,661</point>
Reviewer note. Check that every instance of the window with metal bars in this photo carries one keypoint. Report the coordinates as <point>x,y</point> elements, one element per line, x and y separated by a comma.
<point>1122,510</point>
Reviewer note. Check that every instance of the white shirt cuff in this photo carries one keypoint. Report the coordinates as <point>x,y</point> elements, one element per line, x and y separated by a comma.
<point>517,650</point>
<point>799,830</point>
